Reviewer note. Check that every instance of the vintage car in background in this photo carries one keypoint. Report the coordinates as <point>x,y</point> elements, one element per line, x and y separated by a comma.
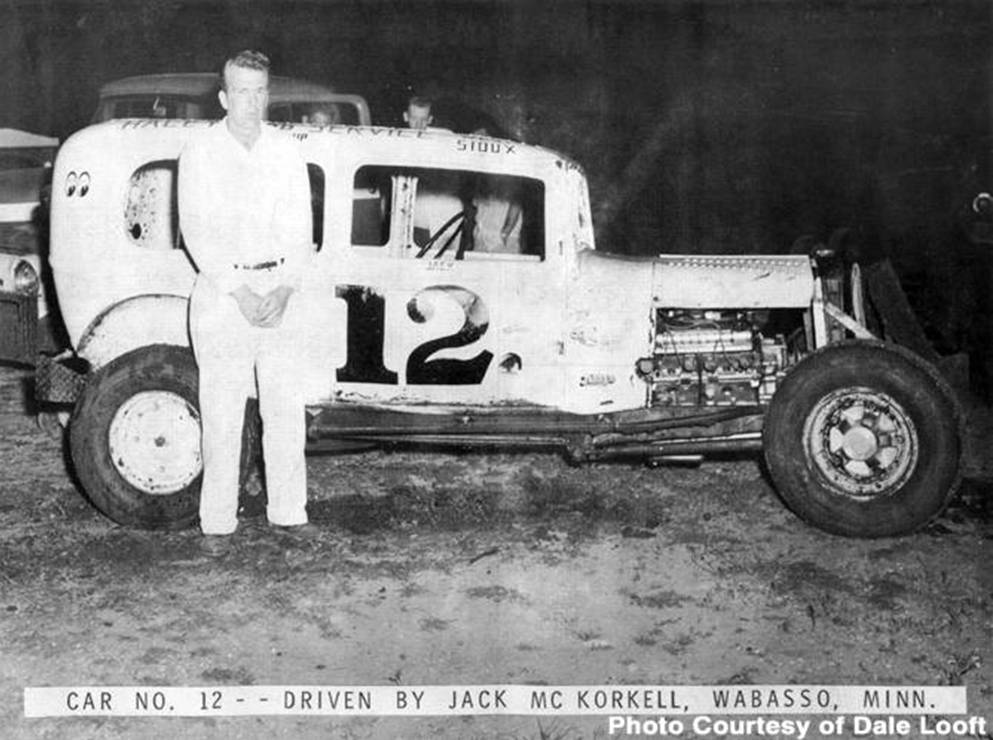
<point>27,321</point>
<point>194,95</point>
<point>457,300</point>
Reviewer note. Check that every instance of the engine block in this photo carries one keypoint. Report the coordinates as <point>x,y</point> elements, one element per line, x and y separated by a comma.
<point>711,358</point>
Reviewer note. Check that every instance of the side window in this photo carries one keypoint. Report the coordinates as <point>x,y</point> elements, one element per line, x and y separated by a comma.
<point>441,203</point>
<point>319,113</point>
<point>508,215</point>
<point>316,176</point>
<point>456,214</point>
<point>151,217</point>
<point>149,106</point>
<point>348,115</point>
<point>280,113</point>
<point>372,195</point>
<point>25,159</point>
<point>151,210</point>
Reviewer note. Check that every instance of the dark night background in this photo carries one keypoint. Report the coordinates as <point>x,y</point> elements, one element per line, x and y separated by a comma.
<point>716,126</point>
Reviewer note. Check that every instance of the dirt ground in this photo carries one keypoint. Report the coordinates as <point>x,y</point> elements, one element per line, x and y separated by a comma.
<point>480,569</point>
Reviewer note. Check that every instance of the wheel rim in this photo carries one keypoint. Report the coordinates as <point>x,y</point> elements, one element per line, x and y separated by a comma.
<point>154,442</point>
<point>862,441</point>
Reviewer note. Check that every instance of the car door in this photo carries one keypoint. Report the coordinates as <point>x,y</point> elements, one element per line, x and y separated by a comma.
<point>433,312</point>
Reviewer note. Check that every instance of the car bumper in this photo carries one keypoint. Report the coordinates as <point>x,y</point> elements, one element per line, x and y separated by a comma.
<point>59,379</point>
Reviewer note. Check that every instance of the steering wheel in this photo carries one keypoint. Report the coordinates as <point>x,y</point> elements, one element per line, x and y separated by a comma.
<point>458,222</point>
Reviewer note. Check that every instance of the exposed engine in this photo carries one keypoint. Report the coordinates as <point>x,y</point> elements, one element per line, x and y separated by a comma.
<point>712,358</point>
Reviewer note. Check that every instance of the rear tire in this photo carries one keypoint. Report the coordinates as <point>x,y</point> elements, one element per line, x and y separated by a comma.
<point>862,439</point>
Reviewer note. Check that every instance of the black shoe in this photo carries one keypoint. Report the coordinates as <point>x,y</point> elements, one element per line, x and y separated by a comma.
<point>215,545</point>
<point>305,532</point>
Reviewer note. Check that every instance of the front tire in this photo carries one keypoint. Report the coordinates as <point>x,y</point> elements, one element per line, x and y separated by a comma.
<point>862,439</point>
<point>134,437</point>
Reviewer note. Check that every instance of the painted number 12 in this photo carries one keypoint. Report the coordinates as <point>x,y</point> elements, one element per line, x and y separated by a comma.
<point>366,323</point>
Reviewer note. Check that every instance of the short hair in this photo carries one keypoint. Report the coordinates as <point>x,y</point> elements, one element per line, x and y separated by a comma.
<point>419,101</point>
<point>247,59</point>
<point>329,109</point>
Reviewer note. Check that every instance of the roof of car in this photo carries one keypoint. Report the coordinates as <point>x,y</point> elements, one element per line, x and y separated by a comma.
<point>11,138</point>
<point>200,84</point>
<point>433,147</point>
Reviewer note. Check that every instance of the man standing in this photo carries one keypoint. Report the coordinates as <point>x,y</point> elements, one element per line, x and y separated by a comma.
<point>244,208</point>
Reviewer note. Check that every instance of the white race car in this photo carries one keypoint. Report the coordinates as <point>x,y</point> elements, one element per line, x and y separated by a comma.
<point>457,299</point>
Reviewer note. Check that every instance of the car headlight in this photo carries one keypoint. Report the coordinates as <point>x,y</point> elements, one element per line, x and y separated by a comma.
<point>25,277</point>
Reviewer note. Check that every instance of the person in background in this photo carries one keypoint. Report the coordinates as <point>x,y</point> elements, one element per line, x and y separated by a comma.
<point>498,216</point>
<point>322,114</point>
<point>418,113</point>
<point>437,195</point>
<point>244,209</point>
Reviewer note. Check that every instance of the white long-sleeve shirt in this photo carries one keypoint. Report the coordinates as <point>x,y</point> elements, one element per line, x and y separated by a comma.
<point>240,208</point>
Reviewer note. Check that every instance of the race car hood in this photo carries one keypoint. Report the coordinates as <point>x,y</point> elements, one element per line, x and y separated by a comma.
<point>703,281</point>
<point>732,281</point>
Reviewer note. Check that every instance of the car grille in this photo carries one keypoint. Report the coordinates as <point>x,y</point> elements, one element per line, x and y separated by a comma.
<point>18,327</point>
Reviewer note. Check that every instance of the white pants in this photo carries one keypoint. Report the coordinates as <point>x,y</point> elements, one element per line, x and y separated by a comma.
<point>233,356</point>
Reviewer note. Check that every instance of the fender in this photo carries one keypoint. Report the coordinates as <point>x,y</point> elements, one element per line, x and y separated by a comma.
<point>132,323</point>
